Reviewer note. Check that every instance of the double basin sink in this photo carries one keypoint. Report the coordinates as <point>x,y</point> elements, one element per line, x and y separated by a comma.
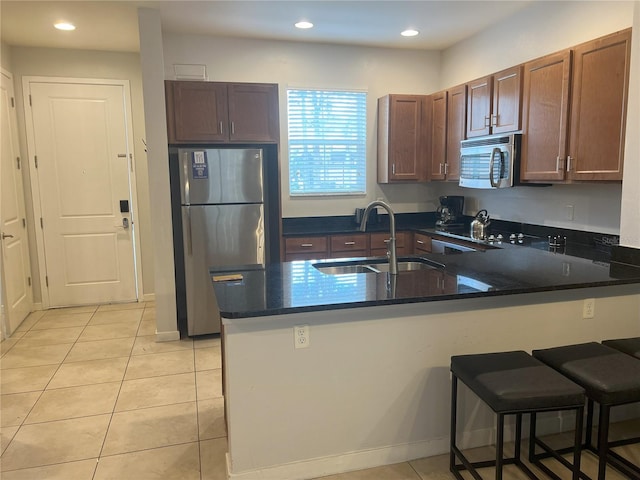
<point>407,264</point>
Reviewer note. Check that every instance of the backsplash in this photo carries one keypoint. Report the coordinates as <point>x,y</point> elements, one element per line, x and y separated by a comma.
<point>594,208</point>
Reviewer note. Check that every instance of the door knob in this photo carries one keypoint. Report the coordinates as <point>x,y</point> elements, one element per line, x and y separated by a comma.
<point>6,235</point>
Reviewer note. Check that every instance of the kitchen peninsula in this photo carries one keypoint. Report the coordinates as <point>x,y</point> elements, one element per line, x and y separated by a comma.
<point>372,385</point>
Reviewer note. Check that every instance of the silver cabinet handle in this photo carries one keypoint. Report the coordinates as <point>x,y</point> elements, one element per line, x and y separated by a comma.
<point>487,121</point>
<point>6,235</point>
<point>494,120</point>
<point>220,125</point>
<point>440,169</point>
<point>393,169</point>
<point>306,245</point>
<point>185,169</point>
<point>233,128</point>
<point>349,243</point>
<point>420,242</point>
<point>446,168</point>
<point>557,163</point>
<point>569,158</point>
<point>387,240</point>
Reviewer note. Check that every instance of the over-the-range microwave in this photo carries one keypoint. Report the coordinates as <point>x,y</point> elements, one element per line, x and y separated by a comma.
<point>491,161</point>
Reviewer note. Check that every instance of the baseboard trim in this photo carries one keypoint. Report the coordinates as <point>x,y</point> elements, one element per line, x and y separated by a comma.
<point>35,307</point>
<point>167,336</point>
<point>320,467</point>
<point>149,297</point>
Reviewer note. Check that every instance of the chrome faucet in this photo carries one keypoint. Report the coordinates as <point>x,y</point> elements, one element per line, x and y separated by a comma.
<point>391,248</point>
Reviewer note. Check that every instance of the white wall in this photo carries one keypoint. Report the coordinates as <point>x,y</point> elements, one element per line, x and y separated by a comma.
<point>378,71</point>
<point>373,387</point>
<point>540,29</point>
<point>5,56</point>
<point>630,223</point>
<point>29,61</point>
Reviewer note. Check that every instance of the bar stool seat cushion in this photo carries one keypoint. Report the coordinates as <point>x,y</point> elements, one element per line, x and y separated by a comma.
<point>630,346</point>
<point>515,381</point>
<point>609,376</point>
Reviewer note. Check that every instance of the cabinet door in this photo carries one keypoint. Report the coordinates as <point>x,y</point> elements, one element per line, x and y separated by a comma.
<point>438,135</point>
<point>379,244</point>
<point>545,109</point>
<point>599,108</point>
<point>456,127</point>
<point>253,112</point>
<point>422,243</point>
<point>199,111</point>
<point>479,107</point>
<point>507,98</point>
<point>305,248</point>
<point>400,146</point>
<point>352,245</point>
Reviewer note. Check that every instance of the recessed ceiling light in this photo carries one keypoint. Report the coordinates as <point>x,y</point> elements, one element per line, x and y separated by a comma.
<point>409,33</point>
<point>65,26</point>
<point>304,24</point>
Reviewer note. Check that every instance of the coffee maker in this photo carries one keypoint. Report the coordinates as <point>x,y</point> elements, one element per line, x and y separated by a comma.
<point>450,213</point>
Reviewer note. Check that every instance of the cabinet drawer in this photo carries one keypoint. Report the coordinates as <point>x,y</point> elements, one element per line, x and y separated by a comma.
<point>422,243</point>
<point>381,240</point>
<point>305,245</point>
<point>349,243</point>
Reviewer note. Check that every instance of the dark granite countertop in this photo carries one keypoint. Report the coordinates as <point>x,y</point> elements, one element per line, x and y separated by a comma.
<point>293,287</point>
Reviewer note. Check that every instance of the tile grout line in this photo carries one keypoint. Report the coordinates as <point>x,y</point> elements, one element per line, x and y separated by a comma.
<point>113,410</point>
<point>48,382</point>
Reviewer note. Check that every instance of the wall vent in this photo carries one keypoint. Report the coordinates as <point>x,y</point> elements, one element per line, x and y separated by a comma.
<point>190,72</point>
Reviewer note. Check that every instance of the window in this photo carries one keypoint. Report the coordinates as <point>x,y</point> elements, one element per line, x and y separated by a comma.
<point>327,142</point>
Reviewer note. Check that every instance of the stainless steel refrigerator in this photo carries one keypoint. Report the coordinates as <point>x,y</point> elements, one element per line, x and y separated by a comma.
<point>222,203</point>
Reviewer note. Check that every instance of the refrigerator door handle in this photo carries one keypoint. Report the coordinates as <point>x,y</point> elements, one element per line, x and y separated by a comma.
<point>185,169</point>
<point>189,233</point>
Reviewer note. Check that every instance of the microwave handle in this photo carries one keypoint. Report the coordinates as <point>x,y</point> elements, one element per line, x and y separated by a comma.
<point>491,164</point>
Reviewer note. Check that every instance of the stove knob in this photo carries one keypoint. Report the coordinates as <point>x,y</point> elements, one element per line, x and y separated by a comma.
<point>512,238</point>
<point>520,236</point>
<point>491,239</point>
<point>500,237</point>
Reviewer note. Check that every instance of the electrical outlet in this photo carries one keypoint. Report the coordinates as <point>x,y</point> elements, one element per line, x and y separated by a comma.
<point>569,211</point>
<point>301,336</point>
<point>589,308</point>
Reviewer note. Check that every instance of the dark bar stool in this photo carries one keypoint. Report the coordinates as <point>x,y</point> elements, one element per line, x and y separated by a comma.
<point>629,346</point>
<point>514,383</point>
<point>610,378</point>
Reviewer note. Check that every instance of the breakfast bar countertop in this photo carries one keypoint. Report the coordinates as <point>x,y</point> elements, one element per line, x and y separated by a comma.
<point>298,286</point>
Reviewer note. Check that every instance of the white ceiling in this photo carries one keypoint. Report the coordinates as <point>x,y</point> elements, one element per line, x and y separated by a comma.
<point>113,25</point>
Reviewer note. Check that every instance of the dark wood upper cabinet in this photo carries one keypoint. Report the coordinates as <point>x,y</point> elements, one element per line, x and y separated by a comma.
<point>545,111</point>
<point>599,108</point>
<point>507,98</point>
<point>574,110</point>
<point>253,112</point>
<point>213,112</point>
<point>197,111</point>
<point>493,103</point>
<point>456,129</point>
<point>438,162</point>
<point>479,107</point>
<point>402,124</point>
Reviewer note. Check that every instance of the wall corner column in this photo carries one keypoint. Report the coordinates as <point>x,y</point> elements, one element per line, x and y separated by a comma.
<point>152,64</point>
<point>630,209</point>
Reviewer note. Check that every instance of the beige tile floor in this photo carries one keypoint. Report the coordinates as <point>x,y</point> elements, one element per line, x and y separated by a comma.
<point>87,394</point>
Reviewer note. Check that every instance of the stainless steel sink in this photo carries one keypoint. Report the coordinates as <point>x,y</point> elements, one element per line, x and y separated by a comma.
<point>375,266</point>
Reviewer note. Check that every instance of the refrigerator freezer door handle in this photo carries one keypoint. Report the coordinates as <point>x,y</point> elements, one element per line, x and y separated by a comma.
<point>189,234</point>
<point>185,167</point>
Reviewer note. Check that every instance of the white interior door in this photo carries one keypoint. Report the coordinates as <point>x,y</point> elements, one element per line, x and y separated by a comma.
<point>82,145</point>
<point>16,277</point>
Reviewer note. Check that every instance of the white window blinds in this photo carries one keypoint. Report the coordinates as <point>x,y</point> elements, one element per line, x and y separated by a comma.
<point>327,142</point>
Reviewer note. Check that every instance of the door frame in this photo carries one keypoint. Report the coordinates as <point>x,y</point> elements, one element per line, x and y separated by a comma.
<point>35,185</point>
